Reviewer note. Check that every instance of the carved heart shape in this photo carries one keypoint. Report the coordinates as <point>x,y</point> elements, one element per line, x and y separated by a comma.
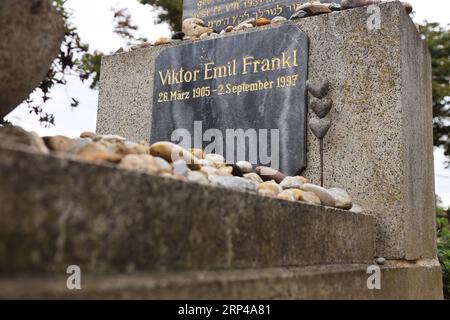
<point>321,107</point>
<point>318,90</point>
<point>319,127</point>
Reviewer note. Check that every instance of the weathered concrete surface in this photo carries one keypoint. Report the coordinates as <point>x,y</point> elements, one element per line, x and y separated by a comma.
<point>58,212</point>
<point>420,280</point>
<point>379,147</point>
<point>31,32</point>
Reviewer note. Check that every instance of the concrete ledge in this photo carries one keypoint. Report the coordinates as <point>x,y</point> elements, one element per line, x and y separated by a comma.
<point>398,281</point>
<point>57,212</point>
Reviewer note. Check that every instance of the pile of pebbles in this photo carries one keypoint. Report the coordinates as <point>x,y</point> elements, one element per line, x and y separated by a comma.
<point>169,160</point>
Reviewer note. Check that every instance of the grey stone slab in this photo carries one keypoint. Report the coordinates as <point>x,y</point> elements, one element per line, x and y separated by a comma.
<point>31,33</point>
<point>220,14</point>
<point>379,147</point>
<point>250,85</point>
<point>58,212</point>
<point>421,280</point>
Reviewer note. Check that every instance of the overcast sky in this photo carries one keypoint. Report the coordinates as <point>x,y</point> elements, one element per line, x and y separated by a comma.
<point>93,18</point>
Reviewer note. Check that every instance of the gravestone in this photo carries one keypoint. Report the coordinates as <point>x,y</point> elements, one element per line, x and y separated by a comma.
<point>250,87</point>
<point>223,13</point>
<point>380,145</point>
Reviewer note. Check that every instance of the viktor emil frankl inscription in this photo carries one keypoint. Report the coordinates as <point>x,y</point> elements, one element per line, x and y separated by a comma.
<point>242,96</point>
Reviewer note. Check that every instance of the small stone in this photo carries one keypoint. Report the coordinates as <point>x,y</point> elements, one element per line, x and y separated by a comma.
<point>204,35</point>
<point>109,138</point>
<point>142,163</point>
<point>172,152</point>
<point>162,40</point>
<point>356,208</point>
<point>163,165</point>
<point>225,171</point>
<point>87,134</point>
<point>77,144</point>
<point>348,4</point>
<point>198,177</point>
<point>58,143</point>
<point>180,168</point>
<point>326,198</point>
<point>321,107</point>
<point>233,183</point>
<point>253,177</point>
<point>245,26</point>
<point>199,153</point>
<point>269,187</point>
<point>299,14</point>
<point>408,6</point>
<point>229,29</point>
<point>293,182</point>
<point>178,36</point>
<point>262,22</point>
<point>315,8</point>
<point>17,136</point>
<point>245,166</point>
<point>251,21</point>
<point>342,199</point>
<point>380,261</point>
<point>334,6</point>
<point>129,147</point>
<point>97,152</point>
<point>210,171</point>
<point>236,170</point>
<point>319,127</point>
<point>318,89</point>
<point>187,38</point>
<point>286,195</point>
<point>144,45</point>
<point>310,198</point>
<point>194,27</point>
<point>297,193</point>
<point>267,174</point>
<point>213,158</point>
<point>279,19</point>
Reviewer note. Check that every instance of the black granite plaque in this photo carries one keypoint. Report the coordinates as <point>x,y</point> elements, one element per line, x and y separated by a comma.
<point>242,96</point>
<point>222,13</point>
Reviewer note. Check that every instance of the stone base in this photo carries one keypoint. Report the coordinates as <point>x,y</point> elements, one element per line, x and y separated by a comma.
<point>398,281</point>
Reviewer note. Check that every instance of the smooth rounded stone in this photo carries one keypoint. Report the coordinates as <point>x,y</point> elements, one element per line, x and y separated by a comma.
<point>97,152</point>
<point>310,198</point>
<point>253,177</point>
<point>172,152</point>
<point>297,193</point>
<point>17,136</point>
<point>77,144</point>
<point>251,21</point>
<point>58,143</point>
<point>245,26</point>
<point>279,19</point>
<point>194,27</point>
<point>245,166</point>
<point>162,40</point>
<point>262,22</point>
<point>143,45</point>
<point>222,32</point>
<point>342,199</point>
<point>198,177</point>
<point>321,107</point>
<point>233,183</point>
<point>142,163</point>
<point>334,6</point>
<point>225,171</point>
<point>269,187</point>
<point>356,208</point>
<point>319,127</point>
<point>380,261</point>
<point>229,29</point>
<point>314,8</point>
<point>109,138</point>
<point>129,147</point>
<point>348,4</point>
<point>293,182</point>
<point>299,14</point>
<point>326,198</point>
<point>408,6</point>
<point>210,171</point>
<point>286,195</point>
<point>180,168</point>
<point>318,89</point>
<point>236,170</point>
<point>204,35</point>
<point>199,153</point>
<point>213,158</point>
<point>163,165</point>
<point>267,174</point>
<point>88,134</point>
<point>31,33</point>
<point>178,36</point>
